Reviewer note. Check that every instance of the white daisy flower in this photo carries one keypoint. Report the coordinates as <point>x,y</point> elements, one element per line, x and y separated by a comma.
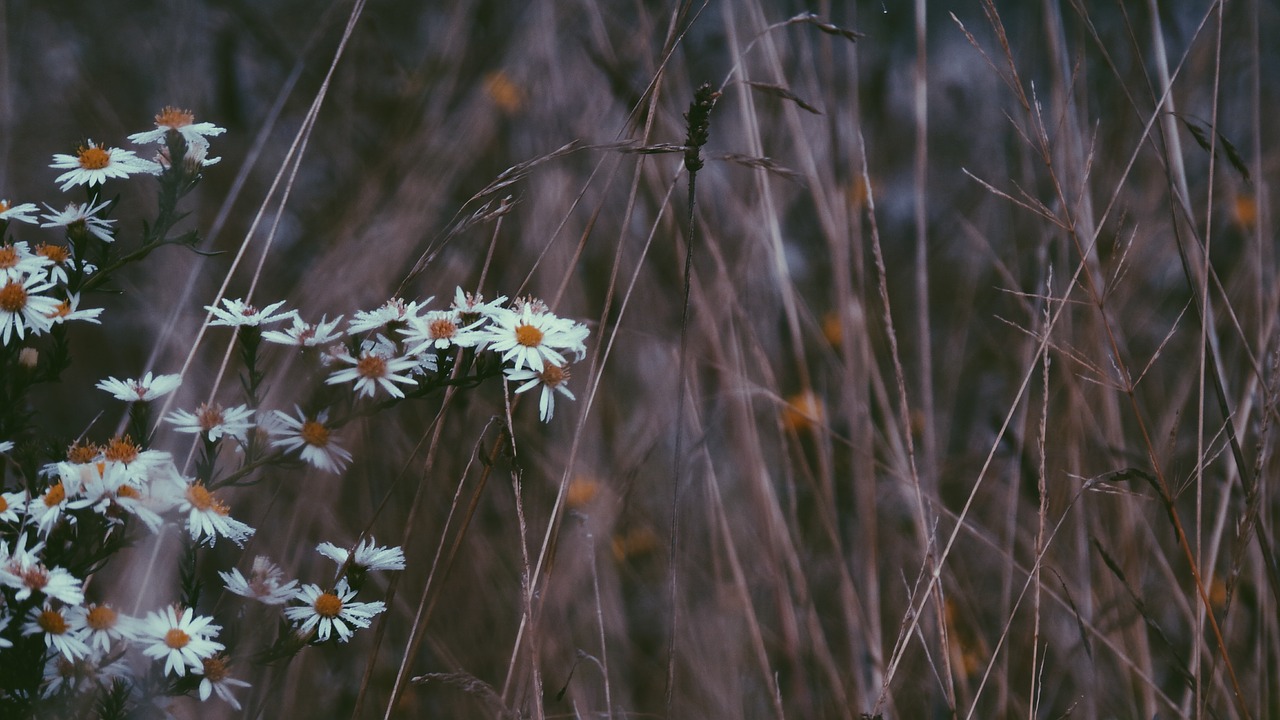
<point>11,502</point>
<point>239,313</point>
<point>58,634</point>
<point>304,334</point>
<point>101,625</point>
<point>17,263</point>
<point>394,310</point>
<point>196,157</point>
<point>440,329</point>
<point>81,675</point>
<point>212,421</point>
<point>328,612</point>
<point>182,641</point>
<point>312,436</point>
<point>81,218</point>
<point>551,378</point>
<point>22,569</point>
<point>142,468</point>
<point>375,367</point>
<point>21,213</point>
<point>217,679</point>
<point>59,257</point>
<point>45,510</point>
<point>146,389</point>
<point>264,584</point>
<point>181,121</point>
<point>22,308</point>
<point>531,335</point>
<point>93,164</point>
<point>368,556</point>
<point>207,516</point>
<point>142,488</point>
<point>69,309</point>
<point>472,307</point>
<point>6,446</point>
<point>24,572</point>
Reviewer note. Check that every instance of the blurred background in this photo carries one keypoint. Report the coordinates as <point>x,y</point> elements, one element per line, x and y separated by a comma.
<point>891,235</point>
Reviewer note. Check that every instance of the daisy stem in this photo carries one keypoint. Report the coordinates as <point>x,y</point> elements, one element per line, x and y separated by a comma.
<point>207,463</point>
<point>189,580</point>
<point>250,337</point>
<point>139,419</point>
<point>59,357</point>
<point>175,183</point>
<point>99,278</point>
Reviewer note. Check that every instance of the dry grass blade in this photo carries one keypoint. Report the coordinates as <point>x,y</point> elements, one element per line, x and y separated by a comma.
<point>1075,613</point>
<point>651,149</point>
<point>779,91</point>
<point>471,685</point>
<point>764,163</point>
<point>1180,666</point>
<point>1201,131</point>
<point>825,26</point>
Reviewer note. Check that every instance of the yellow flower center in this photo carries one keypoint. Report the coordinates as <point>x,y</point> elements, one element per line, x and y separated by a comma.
<point>528,336</point>
<point>35,577</point>
<point>63,309</point>
<point>215,668</point>
<point>328,605</point>
<point>4,504</point>
<point>13,297</point>
<point>204,501</point>
<point>8,256</point>
<point>57,253</point>
<point>101,617</point>
<point>52,622</point>
<point>128,491</point>
<point>176,639</point>
<point>82,453</point>
<point>553,375</point>
<point>314,433</point>
<point>174,118</point>
<point>209,416</point>
<point>55,496</point>
<point>372,366</point>
<point>121,449</point>
<point>93,158</point>
<point>443,328</point>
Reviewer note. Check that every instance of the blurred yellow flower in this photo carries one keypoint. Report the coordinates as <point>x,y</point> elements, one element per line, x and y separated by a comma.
<point>803,411</point>
<point>1244,211</point>
<point>637,541</point>
<point>582,490</point>
<point>505,94</point>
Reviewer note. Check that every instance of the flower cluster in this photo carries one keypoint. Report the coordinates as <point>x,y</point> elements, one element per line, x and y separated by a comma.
<point>34,295</point>
<point>403,348</point>
<point>66,510</point>
<point>63,517</point>
<point>326,612</point>
<point>39,287</point>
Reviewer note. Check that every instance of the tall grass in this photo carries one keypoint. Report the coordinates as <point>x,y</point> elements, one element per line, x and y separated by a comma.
<point>971,412</point>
